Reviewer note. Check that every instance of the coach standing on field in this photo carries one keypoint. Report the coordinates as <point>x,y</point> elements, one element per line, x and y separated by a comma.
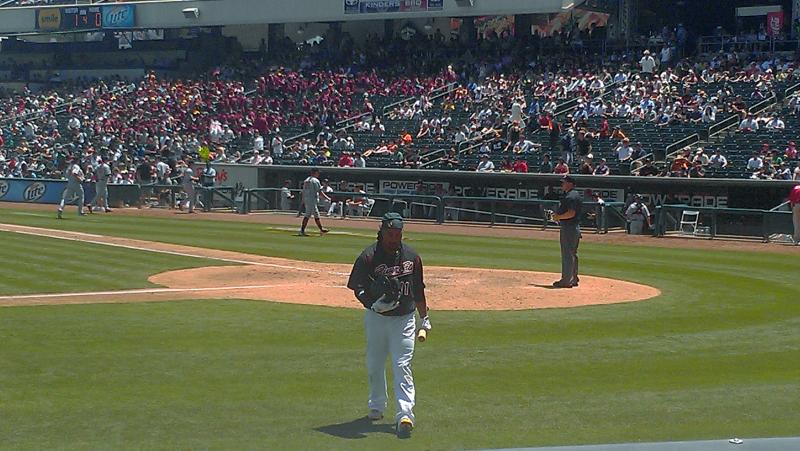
<point>568,216</point>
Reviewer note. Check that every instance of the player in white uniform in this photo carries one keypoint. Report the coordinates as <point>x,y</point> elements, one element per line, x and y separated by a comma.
<point>390,326</point>
<point>187,181</point>
<point>312,190</point>
<point>74,187</point>
<point>102,173</point>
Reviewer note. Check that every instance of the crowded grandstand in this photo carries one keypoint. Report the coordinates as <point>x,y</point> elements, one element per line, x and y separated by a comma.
<point>547,99</point>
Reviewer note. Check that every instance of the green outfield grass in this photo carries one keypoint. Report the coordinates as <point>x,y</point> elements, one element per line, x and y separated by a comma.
<point>717,355</point>
<point>32,264</point>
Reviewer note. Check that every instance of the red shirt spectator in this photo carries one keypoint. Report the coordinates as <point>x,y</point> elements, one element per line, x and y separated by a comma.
<point>561,167</point>
<point>791,151</point>
<point>520,166</point>
<point>345,161</point>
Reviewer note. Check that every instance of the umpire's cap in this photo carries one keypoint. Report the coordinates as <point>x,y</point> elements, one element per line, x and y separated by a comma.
<point>392,220</point>
<point>568,178</point>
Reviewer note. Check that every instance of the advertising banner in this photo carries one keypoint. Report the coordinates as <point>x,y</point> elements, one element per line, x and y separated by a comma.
<point>232,174</point>
<point>32,191</point>
<point>391,6</point>
<point>48,19</point>
<point>119,16</point>
<point>774,23</point>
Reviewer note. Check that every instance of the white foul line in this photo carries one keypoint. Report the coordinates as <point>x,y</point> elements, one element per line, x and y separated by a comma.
<point>4,228</point>
<point>139,291</point>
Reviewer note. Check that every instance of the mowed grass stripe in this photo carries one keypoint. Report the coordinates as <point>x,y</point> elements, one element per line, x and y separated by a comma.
<point>257,375</point>
<point>32,264</point>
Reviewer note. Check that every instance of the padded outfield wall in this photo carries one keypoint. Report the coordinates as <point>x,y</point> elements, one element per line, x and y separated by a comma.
<point>720,193</point>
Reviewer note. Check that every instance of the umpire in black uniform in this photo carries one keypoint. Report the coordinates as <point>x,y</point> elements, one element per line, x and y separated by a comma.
<point>568,216</point>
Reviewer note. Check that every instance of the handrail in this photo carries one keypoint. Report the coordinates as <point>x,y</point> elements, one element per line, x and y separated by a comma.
<point>56,109</point>
<point>448,87</point>
<point>339,126</point>
<point>679,145</point>
<point>660,227</point>
<point>733,120</point>
<point>780,207</point>
<point>560,109</point>
<point>790,90</point>
<point>636,170</point>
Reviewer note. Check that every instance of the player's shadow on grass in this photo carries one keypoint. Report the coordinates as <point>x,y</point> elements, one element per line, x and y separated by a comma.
<point>358,428</point>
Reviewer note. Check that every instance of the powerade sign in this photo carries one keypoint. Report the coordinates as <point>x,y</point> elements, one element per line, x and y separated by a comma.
<point>391,6</point>
<point>119,16</point>
<point>496,192</point>
<point>31,191</point>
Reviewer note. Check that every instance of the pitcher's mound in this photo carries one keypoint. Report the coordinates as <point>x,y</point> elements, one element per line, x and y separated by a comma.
<point>447,288</point>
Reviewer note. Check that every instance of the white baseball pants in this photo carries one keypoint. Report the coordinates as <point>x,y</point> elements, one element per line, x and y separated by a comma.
<point>391,336</point>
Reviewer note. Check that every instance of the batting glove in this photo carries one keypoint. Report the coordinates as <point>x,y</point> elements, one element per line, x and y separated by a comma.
<point>426,323</point>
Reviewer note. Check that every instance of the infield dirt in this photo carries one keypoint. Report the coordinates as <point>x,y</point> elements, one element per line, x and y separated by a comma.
<point>301,282</point>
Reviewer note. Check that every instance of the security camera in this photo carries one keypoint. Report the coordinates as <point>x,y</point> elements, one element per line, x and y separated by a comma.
<point>191,13</point>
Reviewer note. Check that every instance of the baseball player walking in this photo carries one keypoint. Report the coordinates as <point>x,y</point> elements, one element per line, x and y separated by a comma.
<point>312,190</point>
<point>568,216</point>
<point>102,173</point>
<point>74,187</point>
<point>389,318</point>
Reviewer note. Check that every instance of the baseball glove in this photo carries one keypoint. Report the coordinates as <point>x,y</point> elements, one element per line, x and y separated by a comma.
<point>548,214</point>
<point>386,292</point>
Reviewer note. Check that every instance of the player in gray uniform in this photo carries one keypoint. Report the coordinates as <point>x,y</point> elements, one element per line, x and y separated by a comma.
<point>74,187</point>
<point>312,190</point>
<point>568,216</point>
<point>286,196</point>
<point>187,181</point>
<point>102,173</point>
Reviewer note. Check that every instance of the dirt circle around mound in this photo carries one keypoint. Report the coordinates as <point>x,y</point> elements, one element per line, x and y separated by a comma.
<point>447,288</point>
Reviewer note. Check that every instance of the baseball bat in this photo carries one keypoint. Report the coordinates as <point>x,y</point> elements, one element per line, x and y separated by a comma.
<point>422,335</point>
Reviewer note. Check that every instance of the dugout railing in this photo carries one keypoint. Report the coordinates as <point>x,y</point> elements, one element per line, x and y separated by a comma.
<point>766,225</point>
<point>598,217</point>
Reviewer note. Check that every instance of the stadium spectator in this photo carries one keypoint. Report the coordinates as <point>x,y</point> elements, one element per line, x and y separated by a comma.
<point>546,167</point>
<point>602,168</point>
<point>749,124</point>
<point>561,167</point>
<point>485,164</point>
<point>717,161</point>
<point>520,165</point>
<point>755,163</point>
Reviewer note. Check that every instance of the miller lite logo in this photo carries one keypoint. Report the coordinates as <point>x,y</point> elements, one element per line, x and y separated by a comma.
<point>34,192</point>
<point>4,187</point>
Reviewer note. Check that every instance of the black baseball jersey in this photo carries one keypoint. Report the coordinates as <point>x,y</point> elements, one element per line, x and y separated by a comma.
<point>404,265</point>
<point>571,201</point>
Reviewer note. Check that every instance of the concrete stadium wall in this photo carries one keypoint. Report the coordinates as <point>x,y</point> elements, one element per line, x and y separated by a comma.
<point>168,14</point>
<point>722,193</point>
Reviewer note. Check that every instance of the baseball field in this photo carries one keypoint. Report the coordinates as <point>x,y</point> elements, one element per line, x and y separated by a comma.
<point>713,353</point>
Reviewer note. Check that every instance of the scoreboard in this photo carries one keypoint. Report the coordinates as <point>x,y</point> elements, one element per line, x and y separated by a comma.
<point>85,18</point>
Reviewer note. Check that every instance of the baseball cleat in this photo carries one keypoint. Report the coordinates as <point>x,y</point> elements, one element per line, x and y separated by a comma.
<point>404,428</point>
<point>560,284</point>
<point>302,234</point>
<point>375,415</point>
<point>323,231</point>
<point>59,215</point>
